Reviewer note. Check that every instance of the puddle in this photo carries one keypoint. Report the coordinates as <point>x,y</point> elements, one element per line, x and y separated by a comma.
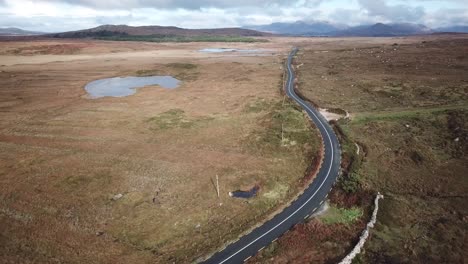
<point>125,86</point>
<point>219,50</point>
<point>245,194</point>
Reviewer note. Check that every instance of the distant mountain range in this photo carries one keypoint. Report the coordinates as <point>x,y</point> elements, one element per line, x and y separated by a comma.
<point>17,32</point>
<point>458,29</point>
<point>320,28</point>
<point>124,30</point>
<point>298,28</point>
<point>384,30</point>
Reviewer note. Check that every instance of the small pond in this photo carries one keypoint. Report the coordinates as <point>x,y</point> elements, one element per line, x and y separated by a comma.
<point>219,50</point>
<point>125,86</point>
<point>245,194</point>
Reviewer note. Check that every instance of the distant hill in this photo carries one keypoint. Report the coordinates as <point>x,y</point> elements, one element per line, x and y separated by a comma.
<point>384,30</point>
<point>456,29</point>
<point>124,30</point>
<point>299,28</point>
<point>11,31</point>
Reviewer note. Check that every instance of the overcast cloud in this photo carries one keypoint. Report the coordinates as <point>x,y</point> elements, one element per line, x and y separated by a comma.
<point>64,15</point>
<point>170,4</point>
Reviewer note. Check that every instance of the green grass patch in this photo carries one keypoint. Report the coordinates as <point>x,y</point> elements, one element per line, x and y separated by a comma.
<point>143,73</point>
<point>180,71</point>
<point>175,118</point>
<point>183,66</point>
<point>351,181</point>
<point>259,105</point>
<point>335,215</point>
<point>79,182</point>
<point>284,126</point>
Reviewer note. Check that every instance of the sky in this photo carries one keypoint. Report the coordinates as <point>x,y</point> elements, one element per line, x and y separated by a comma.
<point>66,15</point>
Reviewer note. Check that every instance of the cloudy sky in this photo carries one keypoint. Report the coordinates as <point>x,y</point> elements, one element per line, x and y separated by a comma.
<point>64,15</point>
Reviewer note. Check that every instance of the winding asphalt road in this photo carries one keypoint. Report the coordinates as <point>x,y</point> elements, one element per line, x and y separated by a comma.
<point>305,204</point>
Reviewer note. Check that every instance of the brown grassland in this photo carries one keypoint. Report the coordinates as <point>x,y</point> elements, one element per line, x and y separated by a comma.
<point>65,157</point>
<point>408,101</point>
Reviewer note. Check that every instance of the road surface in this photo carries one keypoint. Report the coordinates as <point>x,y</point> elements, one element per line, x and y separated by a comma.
<point>315,194</point>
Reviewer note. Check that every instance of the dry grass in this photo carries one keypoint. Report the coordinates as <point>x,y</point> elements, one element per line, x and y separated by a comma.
<point>64,157</point>
<point>408,104</point>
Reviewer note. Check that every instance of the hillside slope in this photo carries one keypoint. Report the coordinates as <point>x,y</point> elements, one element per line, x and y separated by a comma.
<point>124,30</point>
<point>11,31</point>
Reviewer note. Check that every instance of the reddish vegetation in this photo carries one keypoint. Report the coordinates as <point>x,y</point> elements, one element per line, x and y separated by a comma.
<point>408,113</point>
<point>21,38</point>
<point>314,167</point>
<point>58,49</point>
<point>316,242</point>
<point>348,200</point>
<point>313,242</point>
<point>64,158</point>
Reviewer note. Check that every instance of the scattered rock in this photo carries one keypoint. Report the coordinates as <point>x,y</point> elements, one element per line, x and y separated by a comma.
<point>117,197</point>
<point>99,233</point>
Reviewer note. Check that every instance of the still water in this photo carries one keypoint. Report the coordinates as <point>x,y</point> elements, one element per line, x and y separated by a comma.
<point>125,86</point>
<point>219,50</point>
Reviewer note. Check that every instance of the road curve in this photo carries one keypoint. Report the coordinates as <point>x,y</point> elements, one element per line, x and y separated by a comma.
<point>305,204</point>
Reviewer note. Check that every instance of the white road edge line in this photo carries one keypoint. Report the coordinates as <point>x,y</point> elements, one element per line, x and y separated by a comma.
<point>323,182</point>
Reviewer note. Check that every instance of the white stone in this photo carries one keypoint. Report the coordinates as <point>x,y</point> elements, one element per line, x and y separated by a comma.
<point>117,197</point>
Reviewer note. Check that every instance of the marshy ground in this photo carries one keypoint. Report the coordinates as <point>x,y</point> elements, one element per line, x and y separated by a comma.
<point>408,100</point>
<point>130,179</point>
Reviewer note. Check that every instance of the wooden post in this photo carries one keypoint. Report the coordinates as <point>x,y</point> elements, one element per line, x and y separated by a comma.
<point>282,134</point>
<point>217,184</point>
